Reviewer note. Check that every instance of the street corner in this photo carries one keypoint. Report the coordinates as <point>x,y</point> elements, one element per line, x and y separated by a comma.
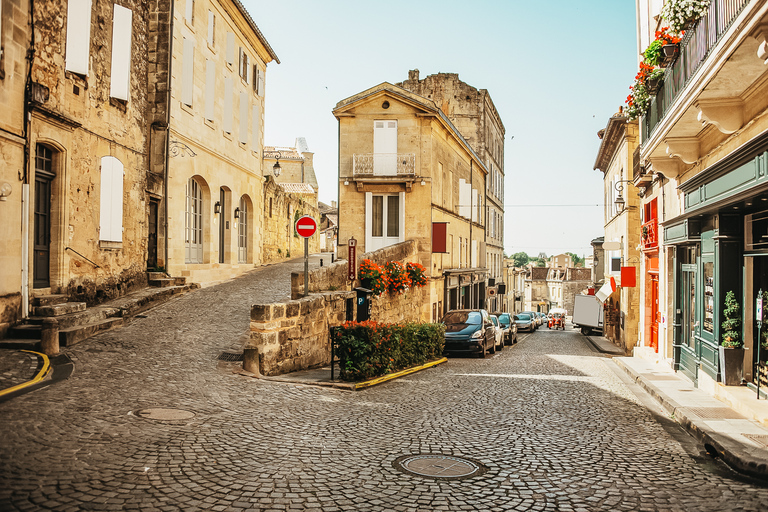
<point>22,371</point>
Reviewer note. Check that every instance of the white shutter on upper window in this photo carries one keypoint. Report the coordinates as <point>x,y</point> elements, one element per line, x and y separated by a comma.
<point>211,27</point>
<point>188,72</point>
<point>260,92</point>
<point>120,75</point>
<point>111,200</point>
<point>228,104</point>
<point>189,11</point>
<point>256,127</point>
<point>230,48</point>
<point>78,36</point>
<point>210,88</point>
<point>243,117</point>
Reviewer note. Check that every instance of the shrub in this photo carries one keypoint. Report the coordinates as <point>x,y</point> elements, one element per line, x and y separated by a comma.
<point>369,349</point>
<point>731,336</point>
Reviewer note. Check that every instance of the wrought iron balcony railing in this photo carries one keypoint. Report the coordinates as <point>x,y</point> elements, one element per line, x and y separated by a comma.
<point>694,49</point>
<point>649,234</point>
<point>384,164</point>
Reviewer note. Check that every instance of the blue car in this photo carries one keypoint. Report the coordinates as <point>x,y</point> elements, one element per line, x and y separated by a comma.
<point>525,322</point>
<point>469,331</point>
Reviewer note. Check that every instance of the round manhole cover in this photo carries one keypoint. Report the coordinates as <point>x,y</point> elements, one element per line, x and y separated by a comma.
<point>161,414</point>
<point>443,467</point>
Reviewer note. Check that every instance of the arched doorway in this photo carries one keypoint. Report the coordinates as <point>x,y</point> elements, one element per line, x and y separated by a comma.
<point>44,175</point>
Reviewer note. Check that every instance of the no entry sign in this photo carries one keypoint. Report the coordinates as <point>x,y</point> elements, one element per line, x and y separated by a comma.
<point>306,226</point>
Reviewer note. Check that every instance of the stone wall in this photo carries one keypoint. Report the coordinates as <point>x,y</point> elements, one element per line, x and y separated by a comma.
<point>281,210</point>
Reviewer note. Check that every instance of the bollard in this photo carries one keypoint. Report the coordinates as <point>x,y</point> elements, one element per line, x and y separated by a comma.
<point>321,262</point>
<point>49,339</point>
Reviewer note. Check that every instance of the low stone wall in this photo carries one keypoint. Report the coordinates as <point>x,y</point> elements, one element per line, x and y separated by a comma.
<point>292,336</point>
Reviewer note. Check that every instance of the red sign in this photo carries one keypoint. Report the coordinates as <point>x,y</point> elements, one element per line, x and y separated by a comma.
<point>628,277</point>
<point>306,226</point>
<point>352,259</point>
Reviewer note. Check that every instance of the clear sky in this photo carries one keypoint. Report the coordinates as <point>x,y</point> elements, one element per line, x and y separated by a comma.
<point>556,71</point>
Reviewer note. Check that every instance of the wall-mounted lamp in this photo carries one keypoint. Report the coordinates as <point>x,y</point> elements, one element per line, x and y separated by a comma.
<point>237,212</point>
<point>217,207</point>
<point>619,202</point>
<point>5,191</point>
<point>346,182</point>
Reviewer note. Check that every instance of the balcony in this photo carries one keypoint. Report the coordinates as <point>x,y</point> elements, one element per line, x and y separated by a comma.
<point>694,50</point>
<point>649,235</point>
<point>384,164</point>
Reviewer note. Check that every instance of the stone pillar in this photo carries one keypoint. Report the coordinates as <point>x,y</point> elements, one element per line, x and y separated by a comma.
<point>49,341</point>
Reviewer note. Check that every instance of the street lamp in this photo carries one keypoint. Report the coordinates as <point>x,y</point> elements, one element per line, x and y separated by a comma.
<point>619,202</point>
<point>276,168</point>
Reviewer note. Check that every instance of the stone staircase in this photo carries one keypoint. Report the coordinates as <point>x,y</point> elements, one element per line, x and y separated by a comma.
<point>72,322</point>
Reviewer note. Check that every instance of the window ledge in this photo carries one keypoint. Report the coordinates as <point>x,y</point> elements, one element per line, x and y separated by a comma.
<point>110,246</point>
<point>228,135</point>
<point>186,108</point>
<point>210,124</point>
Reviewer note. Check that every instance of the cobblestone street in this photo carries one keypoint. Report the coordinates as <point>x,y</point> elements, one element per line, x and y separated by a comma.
<point>554,423</point>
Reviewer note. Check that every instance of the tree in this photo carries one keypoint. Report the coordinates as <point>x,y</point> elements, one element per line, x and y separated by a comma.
<point>520,259</point>
<point>576,259</point>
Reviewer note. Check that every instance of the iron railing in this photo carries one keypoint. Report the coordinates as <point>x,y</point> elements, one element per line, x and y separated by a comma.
<point>384,164</point>
<point>694,49</point>
<point>650,235</point>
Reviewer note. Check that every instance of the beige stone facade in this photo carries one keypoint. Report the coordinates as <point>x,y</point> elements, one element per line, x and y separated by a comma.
<point>473,113</point>
<point>284,204</point>
<point>405,170</point>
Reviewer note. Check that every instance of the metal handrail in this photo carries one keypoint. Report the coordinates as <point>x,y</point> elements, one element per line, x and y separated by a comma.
<point>694,50</point>
<point>384,164</point>
<point>86,259</point>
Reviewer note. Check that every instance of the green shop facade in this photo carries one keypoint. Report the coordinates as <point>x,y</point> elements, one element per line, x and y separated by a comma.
<point>719,244</point>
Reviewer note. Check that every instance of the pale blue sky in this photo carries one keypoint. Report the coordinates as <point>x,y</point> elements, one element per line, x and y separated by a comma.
<point>556,71</point>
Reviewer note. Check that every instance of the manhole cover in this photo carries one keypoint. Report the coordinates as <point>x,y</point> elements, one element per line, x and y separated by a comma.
<point>443,467</point>
<point>230,356</point>
<point>160,414</point>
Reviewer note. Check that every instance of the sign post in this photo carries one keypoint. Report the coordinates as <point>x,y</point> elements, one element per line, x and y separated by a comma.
<point>352,259</point>
<point>759,316</point>
<point>306,227</point>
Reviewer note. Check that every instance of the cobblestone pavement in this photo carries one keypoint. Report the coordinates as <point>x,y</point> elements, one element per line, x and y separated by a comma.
<point>17,367</point>
<point>554,423</point>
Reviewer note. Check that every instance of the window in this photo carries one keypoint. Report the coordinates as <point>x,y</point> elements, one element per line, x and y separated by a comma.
<point>188,72</point>
<point>243,65</point>
<point>258,80</point>
<point>384,220</point>
<point>193,223</point>
<point>242,232</point>
<point>111,200</point>
<point>120,75</point>
<point>210,88</point>
<point>211,28</point>
<point>78,36</point>
<point>385,148</point>
<point>270,207</point>
<point>228,104</point>
<point>255,125</point>
<point>439,237</point>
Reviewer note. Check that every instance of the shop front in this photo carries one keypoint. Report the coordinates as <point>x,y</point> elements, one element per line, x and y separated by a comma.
<point>720,244</point>
<point>465,288</point>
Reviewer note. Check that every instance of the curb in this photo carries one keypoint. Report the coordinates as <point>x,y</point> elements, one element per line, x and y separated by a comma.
<point>41,374</point>
<point>732,452</point>
<point>390,376</point>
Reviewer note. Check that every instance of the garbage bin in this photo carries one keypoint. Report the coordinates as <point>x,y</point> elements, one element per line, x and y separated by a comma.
<point>363,304</point>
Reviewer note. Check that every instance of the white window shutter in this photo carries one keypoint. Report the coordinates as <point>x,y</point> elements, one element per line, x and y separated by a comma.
<point>78,36</point>
<point>210,88</point>
<point>243,117</point>
<point>261,83</point>
<point>256,127</point>
<point>230,48</point>
<point>120,75</point>
<point>188,72</point>
<point>228,104</point>
<point>402,216</point>
<point>189,11</point>
<point>211,27</point>
<point>111,200</point>
<point>368,220</point>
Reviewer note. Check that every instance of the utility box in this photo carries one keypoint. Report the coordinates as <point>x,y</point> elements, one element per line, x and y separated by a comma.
<point>363,304</point>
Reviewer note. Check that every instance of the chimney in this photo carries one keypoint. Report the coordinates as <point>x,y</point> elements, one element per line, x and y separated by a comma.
<point>333,204</point>
<point>413,75</point>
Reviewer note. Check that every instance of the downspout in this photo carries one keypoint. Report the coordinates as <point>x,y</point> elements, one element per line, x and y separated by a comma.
<point>168,131</point>
<point>338,196</point>
<point>25,177</point>
<point>471,207</point>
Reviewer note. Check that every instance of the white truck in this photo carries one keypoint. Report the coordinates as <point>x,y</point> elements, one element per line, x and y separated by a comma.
<point>588,314</point>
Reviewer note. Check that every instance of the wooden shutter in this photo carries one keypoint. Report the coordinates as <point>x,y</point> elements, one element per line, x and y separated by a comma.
<point>243,117</point>
<point>111,200</point>
<point>256,78</point>
<point>122,23</point>
<point>189,12</point>
<point>256,127</point>
<point>260,92</point>
<point>188,72</point>
<point>78,36</point>
<point>211,27</point>
<point>230,48</point>
<point>439,237</point>
<point>210,88</point>
<point>228,104</point>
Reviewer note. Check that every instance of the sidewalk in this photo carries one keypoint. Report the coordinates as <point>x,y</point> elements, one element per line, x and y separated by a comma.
<point>740,437</point>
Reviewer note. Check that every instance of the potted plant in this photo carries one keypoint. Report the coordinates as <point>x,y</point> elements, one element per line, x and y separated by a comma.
<point>639,99</point>
<point>731,345</point>
<point>654,81</point>
<point>372,277</point>
<point>682,13</point>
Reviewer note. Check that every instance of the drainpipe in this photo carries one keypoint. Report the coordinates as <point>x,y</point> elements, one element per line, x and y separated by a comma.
<point>168,132</point>
<point>338,195</point>
<point>25,177</point>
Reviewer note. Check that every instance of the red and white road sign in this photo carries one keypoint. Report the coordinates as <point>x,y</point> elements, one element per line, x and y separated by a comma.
<point>306,226</point>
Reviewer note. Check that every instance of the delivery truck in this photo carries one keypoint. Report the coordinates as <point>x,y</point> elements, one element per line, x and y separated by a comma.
<point>588,314</point>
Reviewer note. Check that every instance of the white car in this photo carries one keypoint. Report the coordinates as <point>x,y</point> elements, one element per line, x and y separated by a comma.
<point>499,330</point>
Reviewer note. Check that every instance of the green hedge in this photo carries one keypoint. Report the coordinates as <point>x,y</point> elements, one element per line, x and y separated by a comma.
<point>369,349</point>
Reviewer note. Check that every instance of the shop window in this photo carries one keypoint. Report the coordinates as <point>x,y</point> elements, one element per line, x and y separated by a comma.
<point>756,231</point>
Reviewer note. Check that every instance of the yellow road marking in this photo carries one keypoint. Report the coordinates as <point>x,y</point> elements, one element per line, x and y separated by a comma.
<point>401,373</point>
<point>40,375</point>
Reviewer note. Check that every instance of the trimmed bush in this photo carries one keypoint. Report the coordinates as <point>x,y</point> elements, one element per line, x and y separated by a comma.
<point>369,349</point>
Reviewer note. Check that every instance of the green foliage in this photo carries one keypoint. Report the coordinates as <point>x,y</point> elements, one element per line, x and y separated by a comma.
<point>279,251</point>
<point>764,327</point>
<point>731,336</point>
<point>654,53</point>
<point>520,259</point>
<point>296,216</point>
<point>577,260</point>
<point>370,349</point>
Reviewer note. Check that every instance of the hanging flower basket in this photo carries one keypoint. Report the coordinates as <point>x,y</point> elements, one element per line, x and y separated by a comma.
<point>683,13</point>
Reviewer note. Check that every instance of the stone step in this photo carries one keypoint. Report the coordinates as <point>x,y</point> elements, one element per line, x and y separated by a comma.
<point>65,308</point>
<point>151,276</point>
<point>71,335</point>
<point>49,300</point>
<point>26,332</point>
<point>20,344</point>
<point>163,282</point>
<point>180,281</point>
<point>89,316</point>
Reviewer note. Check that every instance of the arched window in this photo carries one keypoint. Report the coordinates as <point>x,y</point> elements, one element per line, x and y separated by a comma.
<point>193,223</point>
<point>242,232</point>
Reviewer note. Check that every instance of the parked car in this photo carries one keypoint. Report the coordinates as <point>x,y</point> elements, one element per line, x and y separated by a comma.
<point>499,332</point>
<point>525,322</point>
<point>510,327</point>
<point>536,320</point>
<point>469,331</point>
<point>542,317</point>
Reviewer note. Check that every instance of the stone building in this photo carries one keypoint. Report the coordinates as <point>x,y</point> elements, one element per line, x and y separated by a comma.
<point>284,204</point>
<point>296,163</point>
<point>536,295</point>
<point>328,226</point>
<point>406,172</point>
<point>560,261</point>
<point>74,151</point>
<point>473,113</point>
<point>702,171</point>
<point>207,64</point>
<point>622,227</point>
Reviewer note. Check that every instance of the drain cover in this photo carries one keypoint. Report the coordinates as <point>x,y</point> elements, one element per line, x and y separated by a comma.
<point>443,467</point>
<point>230,356</point>
<point>165,414</point>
